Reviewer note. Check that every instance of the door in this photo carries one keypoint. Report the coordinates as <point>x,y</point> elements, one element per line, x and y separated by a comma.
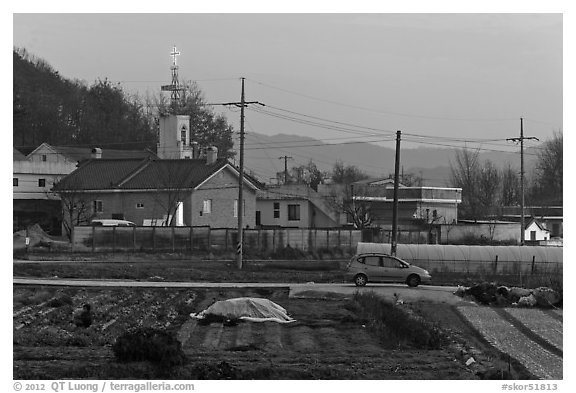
<point>392,269</point>
<point>373,267</point>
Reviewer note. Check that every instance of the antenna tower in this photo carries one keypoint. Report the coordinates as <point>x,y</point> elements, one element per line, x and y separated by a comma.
<point>174,88</point>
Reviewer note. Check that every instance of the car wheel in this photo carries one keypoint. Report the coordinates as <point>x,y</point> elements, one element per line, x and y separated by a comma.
<point>360,280</point>
<point>413,280</point>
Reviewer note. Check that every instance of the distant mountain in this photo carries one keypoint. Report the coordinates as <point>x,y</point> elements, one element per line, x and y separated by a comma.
<point>264,156</point>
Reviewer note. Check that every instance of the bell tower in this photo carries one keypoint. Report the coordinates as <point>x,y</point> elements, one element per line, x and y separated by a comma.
<point>174,138</point>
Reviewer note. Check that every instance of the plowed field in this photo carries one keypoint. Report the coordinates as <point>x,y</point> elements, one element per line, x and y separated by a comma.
<point>328,341</point>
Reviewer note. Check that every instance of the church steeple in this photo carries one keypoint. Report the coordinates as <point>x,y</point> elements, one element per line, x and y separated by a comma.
<point>174,88</point>
<point>174,137</point>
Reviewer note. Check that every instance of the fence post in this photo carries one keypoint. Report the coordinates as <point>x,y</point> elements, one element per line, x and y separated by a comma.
<point>259,239</point>
<point>133,239</point>
<point>154,238</point>
<point>533,262</point>
<point>191,239</point>
<point>496,265</point>
<point>209,238</point>
<point>273,240</point>
<point>173,239</point>
<point>327,238</point>
<point>113,239</point>
<point>350,239</point>
<point>339,238</point>
<point>226,239</point>
<point>93,237</point>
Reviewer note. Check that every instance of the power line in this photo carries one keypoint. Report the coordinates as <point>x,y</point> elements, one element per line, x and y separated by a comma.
<point>379,111</point>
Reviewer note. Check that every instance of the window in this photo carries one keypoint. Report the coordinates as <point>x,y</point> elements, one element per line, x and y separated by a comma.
<point>15,181</point>
<point>276,209</point>
<point>139,205</point>
<point>207,206</point>
<point>372,260</point>
<point>391,262</point>
<point>183,135</point>
<point>44,157</point>
<point>41,182</point>
<point>293,212</point>
<point>97,207</point>
<point>236,207</point>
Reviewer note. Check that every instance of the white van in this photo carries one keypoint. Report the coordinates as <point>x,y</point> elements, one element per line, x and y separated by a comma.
<point>112,223</point>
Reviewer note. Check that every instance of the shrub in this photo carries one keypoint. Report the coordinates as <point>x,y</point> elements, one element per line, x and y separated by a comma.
<point>148,344</point>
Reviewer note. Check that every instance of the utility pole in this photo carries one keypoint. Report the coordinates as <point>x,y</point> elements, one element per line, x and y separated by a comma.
<point>242,104</point>
<point>395,206</point>
<point>285,158</point>
<point>521,140</point>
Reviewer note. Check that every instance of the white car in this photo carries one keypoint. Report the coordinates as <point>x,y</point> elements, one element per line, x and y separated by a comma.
<point>378,267</point>
<point>111,223</point>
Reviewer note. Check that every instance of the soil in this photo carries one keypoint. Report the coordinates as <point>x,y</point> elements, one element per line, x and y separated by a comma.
<point>328,341</point>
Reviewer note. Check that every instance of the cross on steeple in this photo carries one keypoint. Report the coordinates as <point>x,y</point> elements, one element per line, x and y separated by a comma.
<point>174,53</point>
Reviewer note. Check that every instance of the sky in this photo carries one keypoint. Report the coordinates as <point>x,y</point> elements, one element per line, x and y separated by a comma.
<point>455,78</point>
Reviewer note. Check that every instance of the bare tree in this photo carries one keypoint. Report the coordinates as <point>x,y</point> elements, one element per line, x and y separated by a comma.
<point>464,174</point>
<point>488,186</point>
<point>357,211</point>
<point>510,194</point>
<point>173,177</point>
<point>77,205</point>
<point>548,186</point>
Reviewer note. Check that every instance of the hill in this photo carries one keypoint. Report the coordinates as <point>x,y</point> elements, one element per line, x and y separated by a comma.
<point>264,156</point>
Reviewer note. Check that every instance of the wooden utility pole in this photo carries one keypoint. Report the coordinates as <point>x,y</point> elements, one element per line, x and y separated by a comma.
<point>521,140</point>
<point>395,206</point>
<point>240,209</point>
<point>285,158</point>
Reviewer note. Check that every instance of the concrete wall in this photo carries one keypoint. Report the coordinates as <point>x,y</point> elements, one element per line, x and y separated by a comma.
<point>169,142</point>
<point>222,189</point>
<point>499,232</point>
<point>29,172</point>
<point>51,156</point>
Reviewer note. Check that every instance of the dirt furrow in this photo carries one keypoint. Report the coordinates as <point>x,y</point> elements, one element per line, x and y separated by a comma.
<point>508,339</point>
<point>541,324</point>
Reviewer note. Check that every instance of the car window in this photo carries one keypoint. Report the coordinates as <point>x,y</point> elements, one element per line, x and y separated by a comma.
<point>372,260</point>
<point>360,260</point>
<point>392,263</point>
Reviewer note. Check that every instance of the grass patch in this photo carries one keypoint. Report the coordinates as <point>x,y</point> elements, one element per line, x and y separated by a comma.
<point>398,327</point>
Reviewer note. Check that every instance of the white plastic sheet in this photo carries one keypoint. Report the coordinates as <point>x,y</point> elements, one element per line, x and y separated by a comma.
<point>247,308</point>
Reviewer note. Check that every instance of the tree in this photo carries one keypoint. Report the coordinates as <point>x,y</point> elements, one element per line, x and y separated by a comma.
<point>548,186</point>
<point>342,174</point>
<point>308,174</point>
<point>488,186</point>
<point>510,191</point>
<point>342,197</point>
<point>464,174</point>
<point>77,209</point>
<point>173,191</point>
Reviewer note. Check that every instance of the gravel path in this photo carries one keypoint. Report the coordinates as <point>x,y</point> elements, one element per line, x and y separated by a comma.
<point>505,337</point>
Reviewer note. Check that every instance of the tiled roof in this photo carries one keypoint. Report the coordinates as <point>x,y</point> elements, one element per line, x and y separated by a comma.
<point>132,174</point>
<point>168,174</point>
<point>85,153</point>
<point>100,174</point>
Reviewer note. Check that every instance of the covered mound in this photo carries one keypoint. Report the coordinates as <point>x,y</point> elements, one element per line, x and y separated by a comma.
<point>247,309</point>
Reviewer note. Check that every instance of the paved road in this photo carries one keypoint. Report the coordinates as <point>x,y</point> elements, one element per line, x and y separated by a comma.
<point>424,292</point>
